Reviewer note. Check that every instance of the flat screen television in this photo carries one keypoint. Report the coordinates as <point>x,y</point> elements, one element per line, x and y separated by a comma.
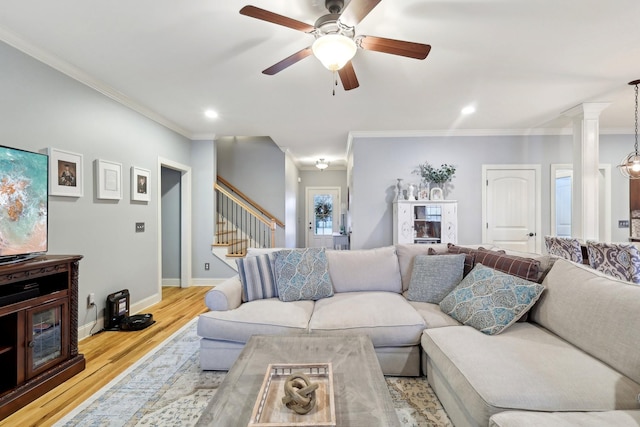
<point>24,204</point>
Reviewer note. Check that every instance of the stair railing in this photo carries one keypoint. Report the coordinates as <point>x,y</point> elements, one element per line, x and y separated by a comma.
<point>242,223</point>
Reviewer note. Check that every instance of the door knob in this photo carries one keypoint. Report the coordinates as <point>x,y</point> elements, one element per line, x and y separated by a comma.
<point>531,234</point>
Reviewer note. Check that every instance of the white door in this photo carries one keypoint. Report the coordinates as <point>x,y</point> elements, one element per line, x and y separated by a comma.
<point>322,216</point>
<point>563,205</point>
<point>511,207</point>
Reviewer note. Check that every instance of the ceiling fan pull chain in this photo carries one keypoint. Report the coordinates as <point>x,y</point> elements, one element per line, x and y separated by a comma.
<point>335,82</point>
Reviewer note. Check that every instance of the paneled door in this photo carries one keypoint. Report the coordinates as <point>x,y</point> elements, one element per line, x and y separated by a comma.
<point>511,207</point>
<point>322,216</point>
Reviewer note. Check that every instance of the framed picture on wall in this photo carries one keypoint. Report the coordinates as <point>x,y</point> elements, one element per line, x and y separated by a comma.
<point>108,180</point>
<point>140,185</point>
<point>65,173</point>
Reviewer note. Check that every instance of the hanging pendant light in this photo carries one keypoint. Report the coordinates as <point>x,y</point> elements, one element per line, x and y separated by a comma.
<point>629,167</point>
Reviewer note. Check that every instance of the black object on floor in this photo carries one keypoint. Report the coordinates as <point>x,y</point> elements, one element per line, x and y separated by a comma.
<point>137,322</point>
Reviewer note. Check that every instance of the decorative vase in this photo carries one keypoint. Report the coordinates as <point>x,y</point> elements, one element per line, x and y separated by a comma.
<point>410,192</point>
<point>398,189</point>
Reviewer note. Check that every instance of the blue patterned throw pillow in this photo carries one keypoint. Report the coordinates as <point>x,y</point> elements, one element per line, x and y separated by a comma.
<point>302,274</point>
<point>489,300</point>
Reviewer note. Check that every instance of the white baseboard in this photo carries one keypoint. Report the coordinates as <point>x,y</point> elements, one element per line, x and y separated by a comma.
<point>175,283</point>
<point>86,330</point>
<point>206,282</point>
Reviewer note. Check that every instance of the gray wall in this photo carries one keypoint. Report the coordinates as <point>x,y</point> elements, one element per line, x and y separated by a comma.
<point>203,162</point>
<point>41,108</point>
<point>316,178</point>
<point>256,166</point>
<point>378,162</point>
<point>170,188</point>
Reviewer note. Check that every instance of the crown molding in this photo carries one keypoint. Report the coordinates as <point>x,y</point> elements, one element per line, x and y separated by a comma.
<point>202,137</point>
<point>81,76</point>
<point>473,132</point>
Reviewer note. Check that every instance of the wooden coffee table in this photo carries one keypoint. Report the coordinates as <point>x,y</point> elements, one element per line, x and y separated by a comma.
<point>361,394</point>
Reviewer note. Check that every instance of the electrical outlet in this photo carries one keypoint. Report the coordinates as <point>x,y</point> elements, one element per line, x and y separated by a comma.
<point>206,266</point>
<point>91,299</point>
<point>623,223</point>
<point>139,227</point>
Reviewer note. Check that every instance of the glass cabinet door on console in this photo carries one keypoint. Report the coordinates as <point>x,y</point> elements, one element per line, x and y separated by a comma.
<point>47,336</point>
<point>423,221</point>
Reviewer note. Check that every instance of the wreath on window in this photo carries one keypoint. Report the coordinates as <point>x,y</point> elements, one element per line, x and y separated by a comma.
<point>323,209</point>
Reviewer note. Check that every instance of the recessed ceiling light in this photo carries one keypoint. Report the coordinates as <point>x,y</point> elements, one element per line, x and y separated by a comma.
<point>211,114</point>
<point>469,109</point>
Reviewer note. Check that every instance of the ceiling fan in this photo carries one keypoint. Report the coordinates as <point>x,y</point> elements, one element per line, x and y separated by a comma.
<point>336,42</point>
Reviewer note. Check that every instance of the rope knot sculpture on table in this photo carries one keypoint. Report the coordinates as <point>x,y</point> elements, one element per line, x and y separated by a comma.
<point>299,393</point>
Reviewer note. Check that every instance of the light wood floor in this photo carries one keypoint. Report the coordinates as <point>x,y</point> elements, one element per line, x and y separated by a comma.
<point>107,354</point>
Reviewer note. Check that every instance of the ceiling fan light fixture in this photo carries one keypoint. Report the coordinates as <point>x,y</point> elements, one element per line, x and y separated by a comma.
<point>322,164</point>
<point>629,167</point>
<point>334,50</point>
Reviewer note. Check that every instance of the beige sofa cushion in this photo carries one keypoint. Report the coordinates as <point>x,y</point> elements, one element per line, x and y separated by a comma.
<point>566,419</point>
<point>365,270</point>
<point>595,312</point>
<point>524,368</point>
<point>260,317</point>
<point>433,315</point>
<point>386,317</point>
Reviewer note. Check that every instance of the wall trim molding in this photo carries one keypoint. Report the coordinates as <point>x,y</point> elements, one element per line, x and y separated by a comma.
<point>473,132</point>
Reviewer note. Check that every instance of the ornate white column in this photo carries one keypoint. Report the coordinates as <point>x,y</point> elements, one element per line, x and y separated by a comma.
<point>586,160</point>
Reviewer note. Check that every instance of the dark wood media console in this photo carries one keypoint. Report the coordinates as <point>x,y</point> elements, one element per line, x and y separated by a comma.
<point>39,328</point>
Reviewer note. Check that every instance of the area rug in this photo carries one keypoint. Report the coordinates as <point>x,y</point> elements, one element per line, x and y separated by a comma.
<point>167,388</point>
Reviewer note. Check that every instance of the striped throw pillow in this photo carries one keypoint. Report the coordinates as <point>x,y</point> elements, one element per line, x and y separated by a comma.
<point>257,278</point>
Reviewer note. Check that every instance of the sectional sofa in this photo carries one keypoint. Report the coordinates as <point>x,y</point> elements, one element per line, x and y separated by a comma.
<point>574,356</point>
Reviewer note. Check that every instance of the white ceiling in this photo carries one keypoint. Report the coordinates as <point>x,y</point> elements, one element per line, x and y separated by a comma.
<point>520,62</point>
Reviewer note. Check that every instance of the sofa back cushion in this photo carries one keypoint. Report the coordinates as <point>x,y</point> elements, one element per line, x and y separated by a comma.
<point>593,311</point>
<point>365,270</point>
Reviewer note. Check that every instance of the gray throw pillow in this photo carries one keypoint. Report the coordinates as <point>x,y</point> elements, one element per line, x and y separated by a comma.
<point>434,276</point>
<point>302,274</point>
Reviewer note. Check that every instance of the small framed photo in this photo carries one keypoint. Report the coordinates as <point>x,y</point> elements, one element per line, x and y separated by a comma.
<point>423,195</point>
<point>65,173</point>
<point>436,194</point>
<point>108,180</point>
<point>140,185</point>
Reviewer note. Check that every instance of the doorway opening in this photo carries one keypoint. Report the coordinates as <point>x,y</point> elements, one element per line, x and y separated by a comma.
<point>183,223</point>
<point>322,216</point>
<point>561,197</point>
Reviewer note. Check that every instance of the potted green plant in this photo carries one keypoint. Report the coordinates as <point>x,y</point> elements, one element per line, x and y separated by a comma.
<point>439,177</point>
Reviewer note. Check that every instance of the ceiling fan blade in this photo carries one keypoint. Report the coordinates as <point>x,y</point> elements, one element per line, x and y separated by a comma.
<point>265,15</point>
<point>298,56</point>
<point>348,77</point>
<point>356,10</point>
<point>394,47</point>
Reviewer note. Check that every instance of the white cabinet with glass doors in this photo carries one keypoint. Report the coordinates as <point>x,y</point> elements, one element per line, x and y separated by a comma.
<point>423,221</point>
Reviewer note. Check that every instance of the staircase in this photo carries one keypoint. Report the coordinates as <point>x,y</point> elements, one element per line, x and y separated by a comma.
<point>241,224</point>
